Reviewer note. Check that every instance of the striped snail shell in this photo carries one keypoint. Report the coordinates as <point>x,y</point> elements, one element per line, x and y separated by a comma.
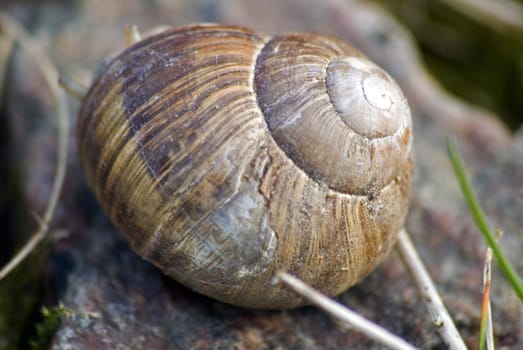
<point>224,156</point>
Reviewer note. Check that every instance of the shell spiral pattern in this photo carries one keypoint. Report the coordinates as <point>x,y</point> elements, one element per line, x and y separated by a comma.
<point>224,156</point>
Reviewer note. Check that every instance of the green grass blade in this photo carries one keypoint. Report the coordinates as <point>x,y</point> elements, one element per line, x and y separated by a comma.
<point>479,217</point>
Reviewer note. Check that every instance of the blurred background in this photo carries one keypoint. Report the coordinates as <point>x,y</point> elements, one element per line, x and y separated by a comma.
<point>474,48</point>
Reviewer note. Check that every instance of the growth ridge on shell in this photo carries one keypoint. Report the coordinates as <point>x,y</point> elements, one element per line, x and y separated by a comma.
<point>366,98</point>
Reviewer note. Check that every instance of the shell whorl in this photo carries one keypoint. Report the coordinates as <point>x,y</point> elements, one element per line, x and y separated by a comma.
<point>336,102</point>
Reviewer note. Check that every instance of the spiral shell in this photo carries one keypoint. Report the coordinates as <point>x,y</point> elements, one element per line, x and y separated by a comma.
<point>224,156</point>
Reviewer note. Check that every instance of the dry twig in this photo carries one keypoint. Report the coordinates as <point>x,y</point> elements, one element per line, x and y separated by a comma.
<point>437,311</point>
<point>487,329</point>
<point>344,314</point>
<point>12,28</point>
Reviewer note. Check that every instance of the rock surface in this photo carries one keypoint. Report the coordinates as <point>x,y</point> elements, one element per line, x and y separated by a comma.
<point>124,302</point>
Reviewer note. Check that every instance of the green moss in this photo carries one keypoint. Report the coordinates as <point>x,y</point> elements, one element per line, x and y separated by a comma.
<point>49,324</point>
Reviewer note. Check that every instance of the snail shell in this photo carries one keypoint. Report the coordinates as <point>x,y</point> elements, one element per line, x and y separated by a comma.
<point>224,156</point>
